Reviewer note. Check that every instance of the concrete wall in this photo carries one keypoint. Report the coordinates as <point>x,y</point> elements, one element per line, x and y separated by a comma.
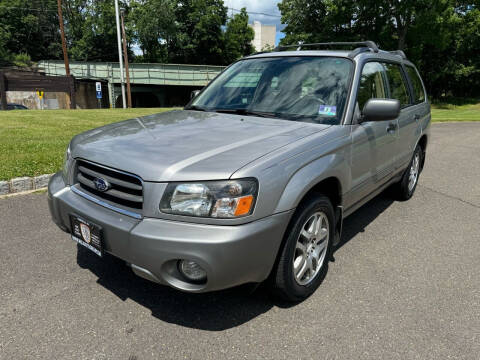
<point>85,98</point>
<point>28,98</point>
<point>56,100</point>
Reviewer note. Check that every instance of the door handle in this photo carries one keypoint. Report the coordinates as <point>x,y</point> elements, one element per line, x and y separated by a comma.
<point>416,117</point>
<point>391,128</point>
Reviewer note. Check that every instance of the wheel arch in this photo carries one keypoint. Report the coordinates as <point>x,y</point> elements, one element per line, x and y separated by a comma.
<point>325,175</point>
<point>328,175</point>
<point>330,187</point>
<point>422,142</point>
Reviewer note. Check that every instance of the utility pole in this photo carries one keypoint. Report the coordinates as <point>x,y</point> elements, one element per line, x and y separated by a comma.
<point>71,95</point>
<point>62,34</point>
<point>125,54</point>
<point>119,40</point>
<point>3,92</point>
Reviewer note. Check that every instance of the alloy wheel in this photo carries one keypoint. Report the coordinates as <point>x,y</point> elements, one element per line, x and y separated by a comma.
<point>311,248</point>
<point>414,168</point>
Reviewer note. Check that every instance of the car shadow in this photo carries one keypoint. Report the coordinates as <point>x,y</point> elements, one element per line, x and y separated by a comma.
<point>213,311</point>
<point>360,219</point>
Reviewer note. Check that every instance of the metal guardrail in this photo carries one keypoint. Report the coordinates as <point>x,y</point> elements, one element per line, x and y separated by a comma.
<point>147,74</point>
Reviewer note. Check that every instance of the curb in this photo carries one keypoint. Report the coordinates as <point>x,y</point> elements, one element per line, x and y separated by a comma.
<point>39,191</point>
<point>24,184</point>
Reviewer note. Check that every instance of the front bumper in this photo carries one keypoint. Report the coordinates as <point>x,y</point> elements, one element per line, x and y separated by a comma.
<point>231,255</point>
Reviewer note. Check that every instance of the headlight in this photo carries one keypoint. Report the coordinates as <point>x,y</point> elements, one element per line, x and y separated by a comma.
<point>218,199</point>
<point>66,163</point>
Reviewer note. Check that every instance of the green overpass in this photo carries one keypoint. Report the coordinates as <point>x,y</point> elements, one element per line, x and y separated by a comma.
<point>152,77</point>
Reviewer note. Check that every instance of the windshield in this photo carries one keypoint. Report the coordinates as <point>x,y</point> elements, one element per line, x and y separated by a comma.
<point>310,89</point>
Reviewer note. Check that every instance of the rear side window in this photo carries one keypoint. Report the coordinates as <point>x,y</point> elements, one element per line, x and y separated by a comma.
<point>418,92</point>
<point>397,84</point>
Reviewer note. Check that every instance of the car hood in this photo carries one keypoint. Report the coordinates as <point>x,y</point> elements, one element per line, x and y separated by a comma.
<point>187,145</point>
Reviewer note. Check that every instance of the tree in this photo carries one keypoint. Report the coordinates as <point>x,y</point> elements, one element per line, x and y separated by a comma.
<point>181,31</point>
<point>349,20</point>
<point>152,33</point>
<point>4,38</point>
<point>238,37</point>
<point>29,27</point>
<point>198,38</point>
<point>318,20</point>
<point>91,29</point>
<point>442,37</point>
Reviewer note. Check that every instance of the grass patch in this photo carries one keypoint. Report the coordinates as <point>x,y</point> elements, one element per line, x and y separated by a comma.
<point>451,112</point>
<point>33,142</point>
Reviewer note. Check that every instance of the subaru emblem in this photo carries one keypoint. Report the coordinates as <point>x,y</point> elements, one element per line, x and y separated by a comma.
<point>101,184</point>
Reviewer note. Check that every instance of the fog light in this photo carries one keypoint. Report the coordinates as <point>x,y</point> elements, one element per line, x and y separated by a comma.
<point>192,271</point>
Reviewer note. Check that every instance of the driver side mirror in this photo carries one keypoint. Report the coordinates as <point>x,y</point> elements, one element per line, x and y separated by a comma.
<point>381,110</point>
<point>194,94</point>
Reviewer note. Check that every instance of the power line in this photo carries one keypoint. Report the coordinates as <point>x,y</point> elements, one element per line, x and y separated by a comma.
<point>233,9</point>
<point>23,8</point>
<point>256,13</point>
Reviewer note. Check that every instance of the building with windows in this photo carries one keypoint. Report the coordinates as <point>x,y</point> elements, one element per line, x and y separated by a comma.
<point>264,35</point>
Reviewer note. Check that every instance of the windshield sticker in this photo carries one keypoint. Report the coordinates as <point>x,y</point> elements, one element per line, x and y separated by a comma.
<point>327,110</point>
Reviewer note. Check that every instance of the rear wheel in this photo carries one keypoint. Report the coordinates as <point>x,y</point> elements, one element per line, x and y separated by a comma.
<point>303,262</point>
<point>405,188</point>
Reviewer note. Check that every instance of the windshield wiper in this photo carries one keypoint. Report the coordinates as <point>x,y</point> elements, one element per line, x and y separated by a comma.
<point>234,111</point>
<point>247,112</point>
<point>196,108</point>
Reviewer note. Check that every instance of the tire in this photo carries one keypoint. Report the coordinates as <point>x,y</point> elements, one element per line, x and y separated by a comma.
<point>305,249</point>
<point>405,188</point>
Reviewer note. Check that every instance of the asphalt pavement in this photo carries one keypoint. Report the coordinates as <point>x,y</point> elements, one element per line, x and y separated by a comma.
<point>404,284</point>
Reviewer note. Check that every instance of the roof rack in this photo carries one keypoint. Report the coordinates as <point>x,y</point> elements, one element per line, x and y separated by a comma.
<point>370,45</point>
<point>399,53</point>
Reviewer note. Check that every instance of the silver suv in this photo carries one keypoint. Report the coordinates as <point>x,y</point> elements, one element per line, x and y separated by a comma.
<point>252,180</point>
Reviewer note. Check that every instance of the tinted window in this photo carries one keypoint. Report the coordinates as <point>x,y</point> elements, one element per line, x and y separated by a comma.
<point>418,92</point>
<point>397,85</point>
<point>299,88</point>
<point>372,83</point>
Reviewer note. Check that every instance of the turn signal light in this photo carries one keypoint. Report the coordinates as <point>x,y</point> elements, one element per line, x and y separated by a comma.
<point>244,205</point>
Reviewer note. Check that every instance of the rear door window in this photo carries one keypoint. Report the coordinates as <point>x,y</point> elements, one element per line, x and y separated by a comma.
<point>418,91</point>
<point>397,85</point>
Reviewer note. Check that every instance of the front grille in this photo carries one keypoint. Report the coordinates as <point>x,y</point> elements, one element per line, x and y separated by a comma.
<point>125,190</point>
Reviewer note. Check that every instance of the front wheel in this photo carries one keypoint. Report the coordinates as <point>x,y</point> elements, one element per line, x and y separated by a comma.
<point>303,261</point>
